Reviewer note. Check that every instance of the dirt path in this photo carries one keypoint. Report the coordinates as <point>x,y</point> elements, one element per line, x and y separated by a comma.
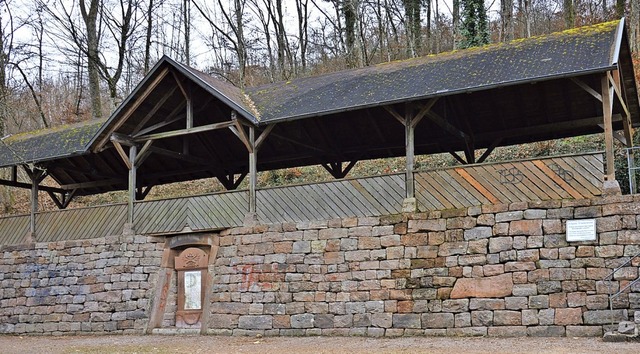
<point>214,344</point>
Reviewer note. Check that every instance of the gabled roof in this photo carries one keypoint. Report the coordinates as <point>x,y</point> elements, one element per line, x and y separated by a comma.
<point>569,53</point>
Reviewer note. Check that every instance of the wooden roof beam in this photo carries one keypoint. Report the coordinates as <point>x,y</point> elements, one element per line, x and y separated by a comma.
<point>587,88</point>
<point>186,131</point>
<point>450,128</point>
<point>153,110</point>
<point>572,124</point>
<point>172,117</point>
<point>93,184</point>
<point>143,96</point>
<point>12,183</point>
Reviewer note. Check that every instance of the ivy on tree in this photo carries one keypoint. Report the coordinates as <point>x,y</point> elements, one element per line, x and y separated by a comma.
<point>473,29</point>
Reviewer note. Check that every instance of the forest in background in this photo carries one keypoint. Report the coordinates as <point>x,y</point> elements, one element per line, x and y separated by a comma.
<point>64,61</point>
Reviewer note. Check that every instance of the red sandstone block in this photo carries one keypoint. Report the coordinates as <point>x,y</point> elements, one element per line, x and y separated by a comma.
<point>525,227</point>
<point>568,316</point>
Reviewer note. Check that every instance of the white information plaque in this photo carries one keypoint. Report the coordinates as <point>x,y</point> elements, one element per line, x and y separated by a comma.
<point>581,230</point>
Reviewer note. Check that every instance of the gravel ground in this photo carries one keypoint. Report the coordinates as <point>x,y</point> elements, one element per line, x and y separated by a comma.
<point>215,344</point>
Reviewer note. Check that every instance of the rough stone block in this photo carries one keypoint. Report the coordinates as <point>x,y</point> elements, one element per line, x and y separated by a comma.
<point>626,327</point>
<point>488,287</point>
<point>507,318</point>
<point>568,316</point>
<point>546,331</point>
<point>539,302</point>
<point>525,227</point>
<point>498,244</point>
<point>462,320</point>
<point>481,318</point>
<point>478,232</point>
<point>438,320</point>
<point>255,322</point>
<point>460,305</point>
<point>304,320</point>
<point>601,317</point>
<point>452,248</point>
<point>509,216</point>
<point>584,331</point>
<point>407,320</point>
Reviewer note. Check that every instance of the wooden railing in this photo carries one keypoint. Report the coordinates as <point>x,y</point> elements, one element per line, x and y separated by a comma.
<point>565,177</point>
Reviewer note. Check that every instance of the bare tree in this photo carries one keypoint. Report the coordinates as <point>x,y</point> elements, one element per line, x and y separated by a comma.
<point>229,25</point>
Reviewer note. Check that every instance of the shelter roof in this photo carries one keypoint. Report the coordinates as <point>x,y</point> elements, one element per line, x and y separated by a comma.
<point>48,144</point>
<point>568,53</point>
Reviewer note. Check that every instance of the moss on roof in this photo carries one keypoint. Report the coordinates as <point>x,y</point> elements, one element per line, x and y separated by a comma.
<point>49,143</point>
<point>563,53</point>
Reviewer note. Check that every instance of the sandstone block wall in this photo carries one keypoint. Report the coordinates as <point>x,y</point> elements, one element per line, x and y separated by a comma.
<point>96,285</point>
<point>498,270</point>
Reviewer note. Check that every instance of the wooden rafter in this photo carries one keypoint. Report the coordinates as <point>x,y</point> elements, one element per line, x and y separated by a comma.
<point>172,117</point>
<point>153,110</point>
<point>587,88</point>
<point>143,96</point>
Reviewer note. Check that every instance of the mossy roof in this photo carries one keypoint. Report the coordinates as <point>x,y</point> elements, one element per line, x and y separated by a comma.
<point>48,144</point>
<point>575,51</point>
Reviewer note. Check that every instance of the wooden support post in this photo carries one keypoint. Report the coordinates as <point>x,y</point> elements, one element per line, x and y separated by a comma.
<point>610,186</point>
<point>133,150</point>
<point>409,203</point>
<point>36,176</point>
<point>253,178</point>
<point>34,207</point>
<point>410,157</point>
<point>607,111</point>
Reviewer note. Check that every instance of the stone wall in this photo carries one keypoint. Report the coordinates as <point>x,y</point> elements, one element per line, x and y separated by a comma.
<point>494,270</point>
<point>96,285</point>
<point>497,270</point>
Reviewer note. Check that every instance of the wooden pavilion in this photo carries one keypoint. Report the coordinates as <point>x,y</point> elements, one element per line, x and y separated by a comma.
<point>181,124</point>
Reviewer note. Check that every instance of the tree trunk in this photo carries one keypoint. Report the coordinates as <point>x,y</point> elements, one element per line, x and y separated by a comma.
<point>147,41</point>
<point>634,26</point>
<point>350,18</point>
<point>506,14</point>
<point>90,18</point>
<point>569,13</point>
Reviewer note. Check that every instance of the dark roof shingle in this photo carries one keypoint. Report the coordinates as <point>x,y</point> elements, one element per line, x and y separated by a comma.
<point>565,53</point>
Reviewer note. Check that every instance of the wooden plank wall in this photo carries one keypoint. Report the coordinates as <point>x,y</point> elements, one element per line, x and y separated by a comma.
<point>567,177</point>
<point>457,187</point>
<point>198,213</point>
<point>14,229</point>
<point>380,195</point>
